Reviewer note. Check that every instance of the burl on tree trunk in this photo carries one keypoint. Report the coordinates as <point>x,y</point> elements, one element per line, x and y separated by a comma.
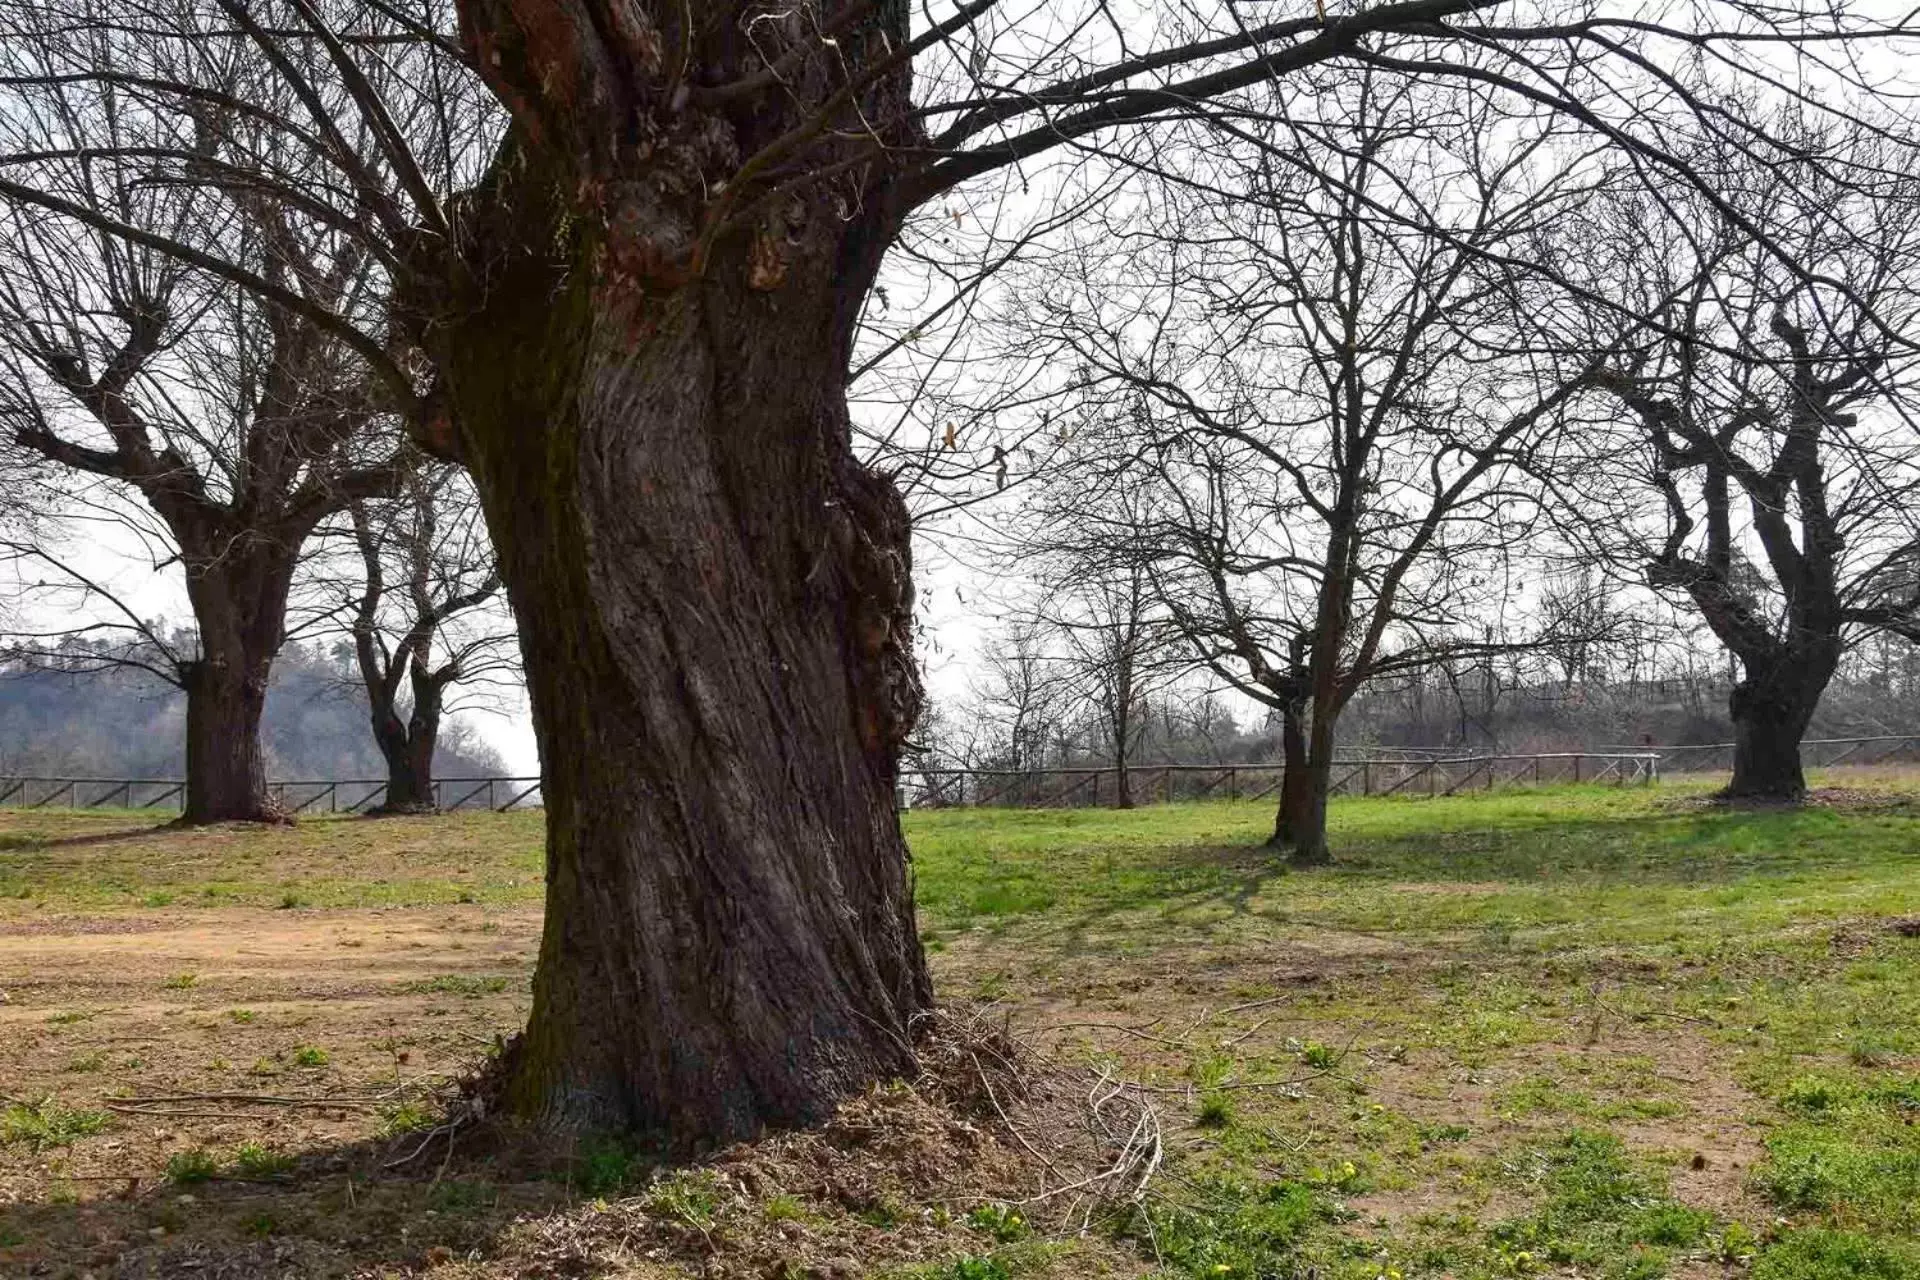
<point>713,596</point>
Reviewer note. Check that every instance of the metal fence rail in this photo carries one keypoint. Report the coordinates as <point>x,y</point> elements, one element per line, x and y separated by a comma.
<point>341,795</point>
<point>1400,774</point>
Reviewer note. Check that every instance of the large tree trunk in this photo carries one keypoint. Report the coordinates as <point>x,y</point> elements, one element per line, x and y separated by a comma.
<point>713,602</point>
<point>239,601</point>
<point>1300,829</point>
<point>408,750</point>
<point>226,775</point>
<point>1771,709</point>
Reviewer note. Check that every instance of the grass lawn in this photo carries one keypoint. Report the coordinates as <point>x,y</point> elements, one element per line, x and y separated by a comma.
<point>1579,1031</point>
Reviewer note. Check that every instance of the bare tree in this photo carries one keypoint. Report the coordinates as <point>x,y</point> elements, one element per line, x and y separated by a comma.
<point>1018,702</point>
<point>1764,453</point>
<point>1117,648</point>
<point>240,425</point>
<point>1321,424</point>
<point>424,618</point>
<point>632,320</point>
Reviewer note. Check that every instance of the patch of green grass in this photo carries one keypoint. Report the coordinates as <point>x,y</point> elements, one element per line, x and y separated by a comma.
<point>47,1123</point>
<point>1818,1254</point>
<point>87,1063</point>
<point>182,982</point>
<point>454,1196</point>
<point>1492,968</point>
<point>968,1267</point>
<point>260,1164</point>
<point>1865,1178</point>
<point>194,1165</point>
<point>1004,1222</point>
<point>604,1167</point>
<point>324,862</point>
<point>67,1017</point>
<point>1597,1211</point>
<point>1591,863</point>
<point>397,1118</point>
<point>465,985</point>
<point>783,1208</point>
<point>689,1196</point>
<point>241,1016</point>
<point>310,1055</point>
<point>1227,1226</point>
<point>1215,1112</point>
<point>1318,1056</point>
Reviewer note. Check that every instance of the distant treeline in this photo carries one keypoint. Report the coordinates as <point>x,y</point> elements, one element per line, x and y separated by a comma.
<point>123,722</point>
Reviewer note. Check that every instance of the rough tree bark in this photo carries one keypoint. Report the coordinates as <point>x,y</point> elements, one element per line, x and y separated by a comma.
<point>713,599</point>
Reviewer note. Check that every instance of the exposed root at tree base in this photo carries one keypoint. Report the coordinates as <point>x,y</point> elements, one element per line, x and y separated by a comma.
<point>904,1173</point>
<point>268,817</point>
<point>418,809</point>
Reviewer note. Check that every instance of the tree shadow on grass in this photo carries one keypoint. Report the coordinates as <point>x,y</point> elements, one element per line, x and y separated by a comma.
<point>1193,894</point>
<point>1197,893</point>
<point>338,1210</point>
<point>1677,848</point>
<point>23,843</point>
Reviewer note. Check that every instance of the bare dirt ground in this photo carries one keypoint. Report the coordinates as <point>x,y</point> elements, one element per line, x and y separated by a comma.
<point>305,1053</point>
<point>377,1007</point>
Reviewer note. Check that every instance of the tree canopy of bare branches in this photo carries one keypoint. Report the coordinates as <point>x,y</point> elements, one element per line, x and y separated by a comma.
<point>1756,446</point>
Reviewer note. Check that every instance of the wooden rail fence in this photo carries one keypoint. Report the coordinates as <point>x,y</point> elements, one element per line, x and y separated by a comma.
<point>342,795</point>
<point>1399,774</point>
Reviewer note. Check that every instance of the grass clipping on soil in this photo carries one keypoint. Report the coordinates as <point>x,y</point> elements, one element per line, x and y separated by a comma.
<point>986,1139</point>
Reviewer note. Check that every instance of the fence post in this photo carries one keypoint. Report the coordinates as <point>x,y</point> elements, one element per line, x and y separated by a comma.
<point>1576,767</point>
<point>1366,777</point>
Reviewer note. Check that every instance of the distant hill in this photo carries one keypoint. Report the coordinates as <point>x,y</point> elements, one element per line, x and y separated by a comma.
<point>122,722</point>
